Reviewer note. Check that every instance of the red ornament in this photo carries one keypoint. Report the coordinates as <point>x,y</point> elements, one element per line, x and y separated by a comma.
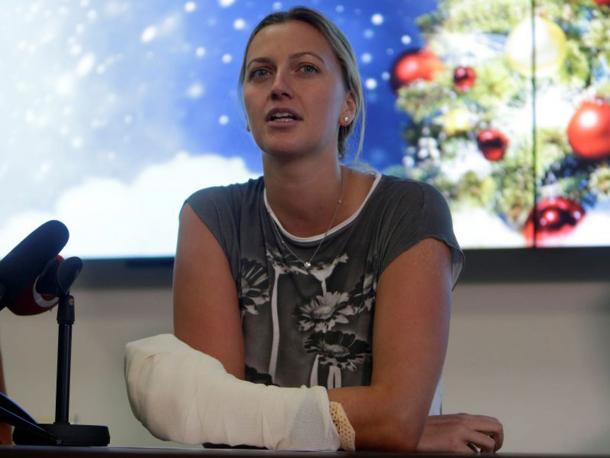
<point>554,216</point>
<point>589,130</point>
<point>413,66</point>
<point>464,78</point>
<point>492,143</point>
<point>602,2</point>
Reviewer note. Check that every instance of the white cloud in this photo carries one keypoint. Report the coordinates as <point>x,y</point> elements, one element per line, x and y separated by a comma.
<point>109,218</point>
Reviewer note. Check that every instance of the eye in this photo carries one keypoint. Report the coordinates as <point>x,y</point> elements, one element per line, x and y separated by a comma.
<point>258,74</point>
<point>309,69</point>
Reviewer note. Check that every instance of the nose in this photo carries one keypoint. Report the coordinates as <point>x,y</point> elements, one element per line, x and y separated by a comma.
<point>281,87</point>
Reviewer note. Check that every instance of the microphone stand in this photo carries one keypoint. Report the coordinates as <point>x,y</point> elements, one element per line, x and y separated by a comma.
<point>64,432</point>
<point>65,320</point>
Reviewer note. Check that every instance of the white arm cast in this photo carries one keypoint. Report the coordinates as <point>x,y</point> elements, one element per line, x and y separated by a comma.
<point>184,395</point>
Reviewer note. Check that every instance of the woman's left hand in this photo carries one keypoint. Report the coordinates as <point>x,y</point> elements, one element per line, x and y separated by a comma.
<point>461,433</point>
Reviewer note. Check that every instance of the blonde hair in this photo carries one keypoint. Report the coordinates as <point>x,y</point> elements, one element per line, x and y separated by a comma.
<point>344,54</point>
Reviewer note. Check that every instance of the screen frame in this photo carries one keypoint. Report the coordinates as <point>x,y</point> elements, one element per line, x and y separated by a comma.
<point>511,265</point>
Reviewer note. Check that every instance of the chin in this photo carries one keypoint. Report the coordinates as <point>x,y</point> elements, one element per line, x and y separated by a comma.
<point>285,149</point>
<point>284,152</point>
<point>290,145</point>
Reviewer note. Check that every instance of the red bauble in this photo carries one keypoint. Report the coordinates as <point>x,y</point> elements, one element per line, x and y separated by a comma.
<point>492,143</point>
<point>589,130</point>
<point>413,66</point>
<point>554,216</point>
<point>464,78</point>
<point>602,2</point>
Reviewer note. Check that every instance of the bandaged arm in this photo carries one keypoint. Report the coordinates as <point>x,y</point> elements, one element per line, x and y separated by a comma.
<point>184,395</point>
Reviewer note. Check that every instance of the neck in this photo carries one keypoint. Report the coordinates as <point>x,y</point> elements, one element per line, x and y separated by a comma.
<point>306,197</point>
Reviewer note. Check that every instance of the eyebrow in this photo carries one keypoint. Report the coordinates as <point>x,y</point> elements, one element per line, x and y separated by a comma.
<point>292,57</point>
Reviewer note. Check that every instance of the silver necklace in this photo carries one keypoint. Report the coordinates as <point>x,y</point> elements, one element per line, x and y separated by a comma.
<point>307,264</point>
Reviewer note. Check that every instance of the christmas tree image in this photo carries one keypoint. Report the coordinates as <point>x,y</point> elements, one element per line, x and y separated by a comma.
<point>509,116</point>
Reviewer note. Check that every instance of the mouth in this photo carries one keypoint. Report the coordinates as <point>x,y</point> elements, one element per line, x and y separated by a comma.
<point>282,116</point>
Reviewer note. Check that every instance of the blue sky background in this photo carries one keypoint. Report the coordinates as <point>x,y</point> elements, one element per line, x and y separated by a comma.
<point>114,111</point>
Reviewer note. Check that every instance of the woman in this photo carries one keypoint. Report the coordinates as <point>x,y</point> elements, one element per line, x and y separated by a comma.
<point>320,274</point>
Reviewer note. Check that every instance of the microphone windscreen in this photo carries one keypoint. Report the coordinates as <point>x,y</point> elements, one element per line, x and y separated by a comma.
<point>26,261</point>
<point>46,283</point>
<point>67,273</point>
<point>41,295</point>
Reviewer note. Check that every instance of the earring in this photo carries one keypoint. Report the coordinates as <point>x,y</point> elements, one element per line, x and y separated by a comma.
<point>346,120</point>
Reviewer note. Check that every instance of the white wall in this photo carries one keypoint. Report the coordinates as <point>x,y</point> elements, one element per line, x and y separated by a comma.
<point>536,356</point>
<point>533,355</point>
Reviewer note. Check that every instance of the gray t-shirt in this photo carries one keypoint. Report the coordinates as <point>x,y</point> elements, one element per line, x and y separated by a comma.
<point>314,326</point>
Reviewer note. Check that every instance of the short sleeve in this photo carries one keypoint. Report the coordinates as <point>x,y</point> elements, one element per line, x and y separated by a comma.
<point>437,224</point>
<point>415,211</point>
<point>214,208</point>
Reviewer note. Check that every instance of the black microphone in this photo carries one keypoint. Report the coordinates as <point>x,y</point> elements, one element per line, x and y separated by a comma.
<point>66,275</point>
<point>21,267</point>
<point>44,293</point>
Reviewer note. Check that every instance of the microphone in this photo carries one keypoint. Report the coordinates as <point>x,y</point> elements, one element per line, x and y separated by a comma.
<point>66,275</point>
<point>33,277</point>
<point>42,294</point>
<point>25,263</point>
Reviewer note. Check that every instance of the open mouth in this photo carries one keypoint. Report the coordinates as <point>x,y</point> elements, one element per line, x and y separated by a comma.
<point>282,115</point>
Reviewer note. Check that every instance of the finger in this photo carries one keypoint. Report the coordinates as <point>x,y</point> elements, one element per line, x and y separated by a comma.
<point>488,425</point>
<point>478,419</point>
<point>473,447</point>
<point>499,438</point>
<point>492,427</point>
<point>466,447</point>
<point>482,442</point>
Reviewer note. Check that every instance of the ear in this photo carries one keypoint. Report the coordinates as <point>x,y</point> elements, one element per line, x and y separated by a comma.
<point>348,110</point>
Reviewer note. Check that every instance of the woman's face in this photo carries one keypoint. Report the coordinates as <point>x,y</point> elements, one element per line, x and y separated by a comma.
<point>293,91</point>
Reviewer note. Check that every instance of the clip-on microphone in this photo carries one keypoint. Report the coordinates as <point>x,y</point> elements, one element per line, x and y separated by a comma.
<point>27,431</point>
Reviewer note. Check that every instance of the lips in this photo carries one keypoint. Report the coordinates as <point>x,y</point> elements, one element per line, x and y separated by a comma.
<point>280,115</point>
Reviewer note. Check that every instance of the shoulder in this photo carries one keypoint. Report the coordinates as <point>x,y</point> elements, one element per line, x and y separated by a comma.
<point>420,198</point>
<point>422,212</point>
<point>230,196</point>
<point>410,193</point>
